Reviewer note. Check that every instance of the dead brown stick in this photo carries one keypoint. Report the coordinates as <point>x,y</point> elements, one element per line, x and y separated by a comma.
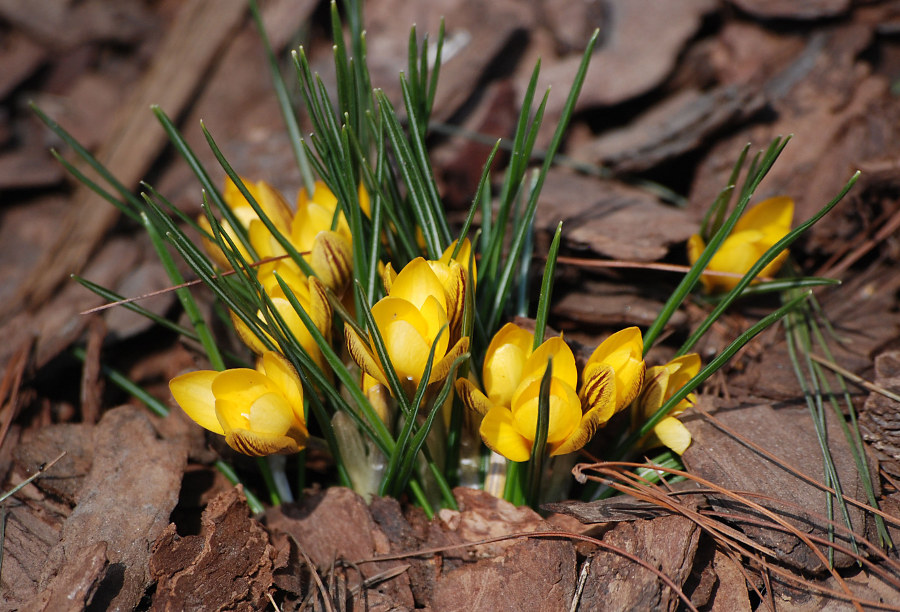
<point>859,380</point>
<point>888,229</point>
<point>638,487</point>
<point>808,479</point>
<point>642,265</point>
<point>192,283</point>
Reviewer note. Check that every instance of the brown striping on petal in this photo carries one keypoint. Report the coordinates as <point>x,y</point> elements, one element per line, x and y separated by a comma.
<point>318,298</point>
<point>363,356</point>
<point>243,445</point>
<point>472,396</point>
<point>441,369</point>
<point>599,380</point>
<point>635,389</point>
<point>332,251</point>
<point>456,292</point>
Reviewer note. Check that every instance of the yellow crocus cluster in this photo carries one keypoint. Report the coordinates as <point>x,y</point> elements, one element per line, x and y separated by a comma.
<point>754,233</point>
<point>423,308</point>
<point>328,252</point>
<point>260,412</point>
<point>309,231</point>
<point>512,375</point>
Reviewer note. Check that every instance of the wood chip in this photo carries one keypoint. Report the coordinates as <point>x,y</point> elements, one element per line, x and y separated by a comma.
<point>793,9</point>
<point>476,34</point>
<point>788,434</point>
<point>879,422</point>
<point>228,567</point>
<point>20,56</point>
<point>616,583</point>
<point>624,66</point>
<point>671,128</point>
<point>126,501</point>
<point>336,525</point>
<point>610,218</point>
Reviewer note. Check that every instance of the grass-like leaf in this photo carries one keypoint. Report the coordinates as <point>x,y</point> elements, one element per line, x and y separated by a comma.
<point>539,448</point>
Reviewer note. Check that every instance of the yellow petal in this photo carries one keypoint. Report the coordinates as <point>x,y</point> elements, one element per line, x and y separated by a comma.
<point>563,362</point>
<point>654,393</point>
<point>472,396</point>
<point>598,393</point>
<point>754,233</point>
<point>406,349</point>
<point>365,203</point>
<point>264,242</point>
<point>242,386</point>
<point>299,330</point>
<point>416,283</point>
<point>463,258</point>
<point>623,352</point>
<point>772,216</point>
<point>453,278</point>
<point>441,369</point>
<point>565,410</point>
<point>316,215</point>
<point>331,260</point>
<point>271,202</point>
<point>388,274</point>
<point>259,445</point>
<point>248,337</point>
<point>505,357</point>
<point>193,392</point>
<point>379,396</point>
<point>673,434</point>
<point>270,414</point>
<point>319,309</point>
<point>499,434</point>
<point>361,353</point>
<point>283,375</point>
<point>212,247</point>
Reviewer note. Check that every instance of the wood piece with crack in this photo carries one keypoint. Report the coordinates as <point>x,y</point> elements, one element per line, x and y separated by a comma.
<point>171,83</point>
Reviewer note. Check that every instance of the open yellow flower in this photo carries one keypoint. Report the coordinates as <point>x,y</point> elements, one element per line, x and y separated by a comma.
<point>754,233</point>
<point>269,200</point>
<point>617,363</point>
<point>260,412</point>
<point>512,377</point>
<point>410,320</point>
<point>662,383</point>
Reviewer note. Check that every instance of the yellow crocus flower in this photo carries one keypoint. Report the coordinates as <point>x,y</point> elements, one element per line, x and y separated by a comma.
<point>260,412</point>
<point>311,295</point>
<point>512,377</point>
<point>266,196</point>
<point>410,319</point>
<point>754,233</point>
<point>617,363</point>
<point>662,383</point>
<point>453,277</point>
